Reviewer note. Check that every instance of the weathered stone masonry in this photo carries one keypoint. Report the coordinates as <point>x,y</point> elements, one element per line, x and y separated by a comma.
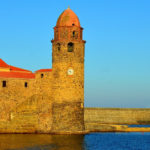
<point>49,100</point>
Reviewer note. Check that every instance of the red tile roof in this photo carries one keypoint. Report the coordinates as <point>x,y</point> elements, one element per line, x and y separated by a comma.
<point>15,72</point>
<point>12,68</point>
<point>17,75</point>
<point>3,64</point>
<point>44,70</point>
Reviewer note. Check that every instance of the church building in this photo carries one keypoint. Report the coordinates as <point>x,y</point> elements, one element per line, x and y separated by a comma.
<point>48,100</point>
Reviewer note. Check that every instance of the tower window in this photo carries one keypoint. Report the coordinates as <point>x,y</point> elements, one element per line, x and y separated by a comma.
<point>73,33</point>
<point>25,84</point>
<point>42,75</point>
<point>3,83</point>
<point>73,24</point>
<point>58,46</point>
<point>70,47</point>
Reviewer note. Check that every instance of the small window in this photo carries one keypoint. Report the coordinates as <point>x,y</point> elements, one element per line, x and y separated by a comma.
<point>70,47</point>
<point>25,84</point>
<point>42,75</point>
<point>73,33</point>
<point>4,83</point>
<point>73,24</point>
<point>58,46</point>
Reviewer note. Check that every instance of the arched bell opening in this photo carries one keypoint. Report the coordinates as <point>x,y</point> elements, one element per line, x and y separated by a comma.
<point>70,47</point>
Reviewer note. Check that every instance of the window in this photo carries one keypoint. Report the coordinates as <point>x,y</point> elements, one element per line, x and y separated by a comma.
<point>42,75</point>
<point>73,24</point>
<point>4,83</point>
<point>25,84</point>
<point>73,33</point>
<point>58,46</point>
<point>70,47</point>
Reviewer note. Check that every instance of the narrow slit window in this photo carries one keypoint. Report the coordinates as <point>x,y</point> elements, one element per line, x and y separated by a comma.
<point>58,46</point>
<point>26,84</point>
<point>73,33</point>
<point>42,75</point>
<point>3,83</point>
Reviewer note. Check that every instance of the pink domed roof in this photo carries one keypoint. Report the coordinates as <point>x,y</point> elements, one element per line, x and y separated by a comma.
<point>68,18</point>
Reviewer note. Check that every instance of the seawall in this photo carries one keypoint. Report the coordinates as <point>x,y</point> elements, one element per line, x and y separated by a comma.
<point>115,119</point>
<point>117,115</point>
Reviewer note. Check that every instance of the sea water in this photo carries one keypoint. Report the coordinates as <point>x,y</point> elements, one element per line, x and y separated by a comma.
<point>93,141</point>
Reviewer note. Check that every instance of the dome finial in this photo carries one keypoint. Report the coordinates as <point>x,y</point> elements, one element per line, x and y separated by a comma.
<point>68,7</point>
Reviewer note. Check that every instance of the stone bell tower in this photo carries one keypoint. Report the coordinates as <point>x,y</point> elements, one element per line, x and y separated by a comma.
<point>68,74</point>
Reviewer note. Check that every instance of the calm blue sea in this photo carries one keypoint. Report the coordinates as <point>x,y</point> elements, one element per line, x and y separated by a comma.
<point>94,141</point>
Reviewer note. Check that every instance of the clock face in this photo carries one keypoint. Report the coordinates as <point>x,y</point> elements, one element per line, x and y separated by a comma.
<point>70,71</point>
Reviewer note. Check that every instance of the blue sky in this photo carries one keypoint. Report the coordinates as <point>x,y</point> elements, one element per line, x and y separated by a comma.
<point>117,53</point>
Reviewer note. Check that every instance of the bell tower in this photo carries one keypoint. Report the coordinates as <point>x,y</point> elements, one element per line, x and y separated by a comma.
<point>68,74</point>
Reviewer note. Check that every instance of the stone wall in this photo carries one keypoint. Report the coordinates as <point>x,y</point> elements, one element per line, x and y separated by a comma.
<point>43,83</point>
<point>14,94</point>
<point>117,115</point>
<point>43,96</point>
<point>67,117</point>
<point>26,109</point>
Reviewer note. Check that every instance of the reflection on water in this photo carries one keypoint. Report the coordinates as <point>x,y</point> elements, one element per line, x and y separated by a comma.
<point>41,142</point>
<point>94,141</point>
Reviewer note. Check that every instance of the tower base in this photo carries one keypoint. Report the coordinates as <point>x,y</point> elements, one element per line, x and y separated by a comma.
<point>68,117</point>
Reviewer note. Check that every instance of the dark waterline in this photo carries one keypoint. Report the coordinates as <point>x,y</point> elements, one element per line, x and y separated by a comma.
<point>139,126</point>
<point>94,141</point>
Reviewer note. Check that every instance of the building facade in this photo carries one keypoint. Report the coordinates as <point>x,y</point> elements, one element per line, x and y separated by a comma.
<point>49,100</point>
